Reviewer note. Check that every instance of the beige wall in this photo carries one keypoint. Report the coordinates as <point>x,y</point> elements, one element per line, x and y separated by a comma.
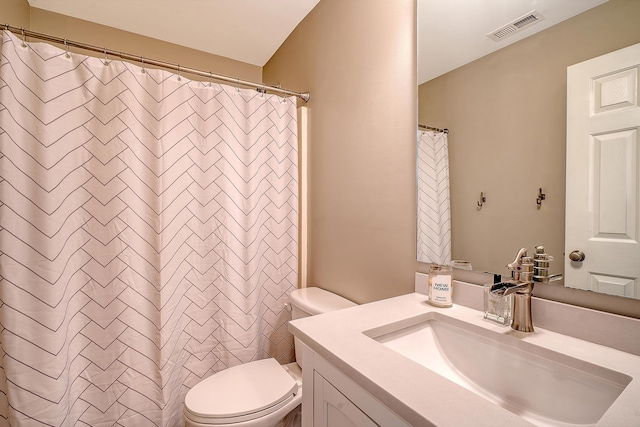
<point>358,60</point>
<point>506,113</point>
<point>46,22</point>
<point>15,13</point>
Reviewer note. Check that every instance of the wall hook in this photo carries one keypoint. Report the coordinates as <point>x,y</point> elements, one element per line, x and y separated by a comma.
<point>541,197</point>
<point>482,200</point>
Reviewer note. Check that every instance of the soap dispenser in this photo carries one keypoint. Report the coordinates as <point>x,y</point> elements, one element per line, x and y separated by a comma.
<point>500,308</point>
<point>497,308</point>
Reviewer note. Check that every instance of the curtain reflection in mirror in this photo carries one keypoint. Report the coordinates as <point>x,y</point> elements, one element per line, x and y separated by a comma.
<point>434,219</point>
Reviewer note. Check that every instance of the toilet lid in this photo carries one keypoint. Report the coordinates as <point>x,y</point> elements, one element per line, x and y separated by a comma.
<point>240,390</point>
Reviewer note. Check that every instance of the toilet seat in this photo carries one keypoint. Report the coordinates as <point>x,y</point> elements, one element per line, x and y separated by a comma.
<point>241,393</point>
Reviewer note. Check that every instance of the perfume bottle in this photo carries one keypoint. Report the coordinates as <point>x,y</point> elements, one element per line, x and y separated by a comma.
<point>440,285</point>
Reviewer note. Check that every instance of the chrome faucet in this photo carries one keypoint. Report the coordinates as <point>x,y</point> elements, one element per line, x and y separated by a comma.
<point>521,318</point>
<point>521,286</point>
<point>525,270</point>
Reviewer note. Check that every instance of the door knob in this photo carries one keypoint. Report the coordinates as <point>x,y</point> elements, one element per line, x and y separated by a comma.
<point>577,256</point>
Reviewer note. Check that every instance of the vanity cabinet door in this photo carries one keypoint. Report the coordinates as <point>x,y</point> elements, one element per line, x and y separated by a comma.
<point>332,408</point>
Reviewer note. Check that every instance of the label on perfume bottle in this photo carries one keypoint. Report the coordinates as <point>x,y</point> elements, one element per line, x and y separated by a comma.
<point>440,290</point>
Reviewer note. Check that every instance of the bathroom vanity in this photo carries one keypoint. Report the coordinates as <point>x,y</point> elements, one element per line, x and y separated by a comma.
<point>402,362</point>
<point>337,400</point>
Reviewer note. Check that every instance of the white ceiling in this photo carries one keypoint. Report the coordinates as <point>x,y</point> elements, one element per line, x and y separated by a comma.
<point>451,33</point>
<point>245,30</point>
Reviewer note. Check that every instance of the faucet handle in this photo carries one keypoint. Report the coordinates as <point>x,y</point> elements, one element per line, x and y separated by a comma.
<point>526,274</point>
<point>516,265</point>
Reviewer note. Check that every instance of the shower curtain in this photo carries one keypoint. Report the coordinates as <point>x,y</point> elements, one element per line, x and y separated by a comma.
<point>148,236</point>
<point>434,217</point>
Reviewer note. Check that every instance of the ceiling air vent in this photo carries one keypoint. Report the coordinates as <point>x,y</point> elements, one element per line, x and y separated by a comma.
<point>515,26</point>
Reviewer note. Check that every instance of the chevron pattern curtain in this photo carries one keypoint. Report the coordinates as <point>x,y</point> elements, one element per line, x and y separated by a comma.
<point>434,216</point>
<point>148,236</point>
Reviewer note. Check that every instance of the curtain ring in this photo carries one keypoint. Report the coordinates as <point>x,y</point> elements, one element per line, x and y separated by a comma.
<point>238,85</point>
<point>67,45</point>
<point>210,79</point>
<point>142,60</point>
<point>264,90</point>
<point>106,59</point>
<point>24,43</point>
<point>179,70</point>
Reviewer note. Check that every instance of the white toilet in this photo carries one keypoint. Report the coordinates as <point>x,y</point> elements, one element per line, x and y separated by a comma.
<point>260,393</point>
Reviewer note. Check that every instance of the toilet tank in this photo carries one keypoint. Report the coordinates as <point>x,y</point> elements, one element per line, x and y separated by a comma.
<point>311,301</point>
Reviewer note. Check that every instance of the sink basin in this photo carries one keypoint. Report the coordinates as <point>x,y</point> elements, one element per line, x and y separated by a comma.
<point>544,387</point>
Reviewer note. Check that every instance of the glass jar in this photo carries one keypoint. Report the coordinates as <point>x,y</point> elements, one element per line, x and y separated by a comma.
<point>440,285</point>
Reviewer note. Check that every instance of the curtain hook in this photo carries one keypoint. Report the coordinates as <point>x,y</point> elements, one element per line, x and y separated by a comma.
<point>264,90</point>
<point>238,85</point>
<point>210,79</point>
<point>179,70</point>
<point>106,58</point>
<point>142,60</point>
<point>67,45</point>
<point>24,43</point>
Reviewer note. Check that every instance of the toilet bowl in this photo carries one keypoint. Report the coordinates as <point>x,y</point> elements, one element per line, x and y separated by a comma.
<point>261,393</point>
<point>255,394</point>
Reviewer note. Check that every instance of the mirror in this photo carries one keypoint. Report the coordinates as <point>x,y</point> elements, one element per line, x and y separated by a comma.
<point>506,115</point>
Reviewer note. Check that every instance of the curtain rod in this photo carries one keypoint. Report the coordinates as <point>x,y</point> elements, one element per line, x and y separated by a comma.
<point>425,127</point>
<point>135,58</point>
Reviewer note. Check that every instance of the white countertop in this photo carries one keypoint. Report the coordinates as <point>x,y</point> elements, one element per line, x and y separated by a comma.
<point>421,396</point>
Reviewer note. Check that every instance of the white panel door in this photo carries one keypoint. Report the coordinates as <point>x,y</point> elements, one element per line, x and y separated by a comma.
<point>603,174</point>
